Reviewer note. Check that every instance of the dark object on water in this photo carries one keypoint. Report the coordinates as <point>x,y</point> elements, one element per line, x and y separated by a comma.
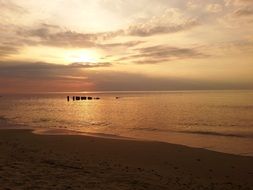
<point>78,98</point>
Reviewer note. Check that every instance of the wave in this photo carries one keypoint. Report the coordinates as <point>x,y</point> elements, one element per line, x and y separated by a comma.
<point>4,119</point>
<point>247,107</point>
<point>210,133</point>
<point>9,123</point>
<point>148,129</point>
<point>206,124</point>
<point>215,133</point>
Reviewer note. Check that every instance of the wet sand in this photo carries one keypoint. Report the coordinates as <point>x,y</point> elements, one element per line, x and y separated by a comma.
<point>32,161</point>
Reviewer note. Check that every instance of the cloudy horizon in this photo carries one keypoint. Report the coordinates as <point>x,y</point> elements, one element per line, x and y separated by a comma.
<point>88,45</point>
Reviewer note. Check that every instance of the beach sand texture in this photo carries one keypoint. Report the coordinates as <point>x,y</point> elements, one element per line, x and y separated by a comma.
<point>30,161</point>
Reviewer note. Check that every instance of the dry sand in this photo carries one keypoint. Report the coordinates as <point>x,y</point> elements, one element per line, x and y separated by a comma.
<point>30,161</point>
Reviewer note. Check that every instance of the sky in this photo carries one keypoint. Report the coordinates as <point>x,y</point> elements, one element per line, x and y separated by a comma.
<point>103,45</point>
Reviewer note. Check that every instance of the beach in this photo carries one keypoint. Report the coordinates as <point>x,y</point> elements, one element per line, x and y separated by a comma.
<point>33,161</point>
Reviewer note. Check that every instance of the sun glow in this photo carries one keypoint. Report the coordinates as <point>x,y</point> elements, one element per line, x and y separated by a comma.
<point>81,56</point>
<point>57,55</point>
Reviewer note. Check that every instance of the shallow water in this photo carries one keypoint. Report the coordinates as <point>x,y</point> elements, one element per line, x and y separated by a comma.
<point>217,120</point>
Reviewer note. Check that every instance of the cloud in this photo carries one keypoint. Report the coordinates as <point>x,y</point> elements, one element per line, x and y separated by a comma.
<point>46,77</point>
<point>161,53</point>
<point>46,71</point>
<point>55,36</point>
<point>36,77</point>
<point>144,30</point>
<point>52,35</point>
<point>214,8</point>
<point>14,38</point>
<point>122,44</point>
<point>41,85</point>
<point>193,4</point>
<point>17,65</point>
<point>239,17</point>
<point>171,21</point>
<point>8,5</point>
<point>89,65</point>
<point>123,81</point>
<point>238,2</point>
<point>243,13</point>
<point>5,51</point>
<point>10,42</point>
<point>41,77</point>
<point>10,12</point>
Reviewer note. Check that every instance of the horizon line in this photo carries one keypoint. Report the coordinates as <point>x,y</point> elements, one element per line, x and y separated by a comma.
<point>124,91</point>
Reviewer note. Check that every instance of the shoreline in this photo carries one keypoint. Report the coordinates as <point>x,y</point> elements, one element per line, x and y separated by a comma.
<point>32,161</point>
<point>173,135</point>
<point>66,133</point>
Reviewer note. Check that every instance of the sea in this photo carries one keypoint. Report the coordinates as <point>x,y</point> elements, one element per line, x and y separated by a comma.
<point>216,120</point>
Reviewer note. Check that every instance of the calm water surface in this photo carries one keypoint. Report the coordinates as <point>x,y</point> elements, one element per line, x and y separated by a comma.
<point>216,120</point>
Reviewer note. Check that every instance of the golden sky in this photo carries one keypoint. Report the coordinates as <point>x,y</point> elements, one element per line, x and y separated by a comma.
<point>82,45</point>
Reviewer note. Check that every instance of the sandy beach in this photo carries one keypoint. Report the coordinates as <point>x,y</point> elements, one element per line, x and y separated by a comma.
<point>32,161</point>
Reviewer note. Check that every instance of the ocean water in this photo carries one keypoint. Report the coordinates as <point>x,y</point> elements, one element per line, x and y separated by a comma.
<point>216,120</point>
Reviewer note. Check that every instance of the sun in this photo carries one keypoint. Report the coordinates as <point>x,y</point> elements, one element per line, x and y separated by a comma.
<point>81,56</point>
